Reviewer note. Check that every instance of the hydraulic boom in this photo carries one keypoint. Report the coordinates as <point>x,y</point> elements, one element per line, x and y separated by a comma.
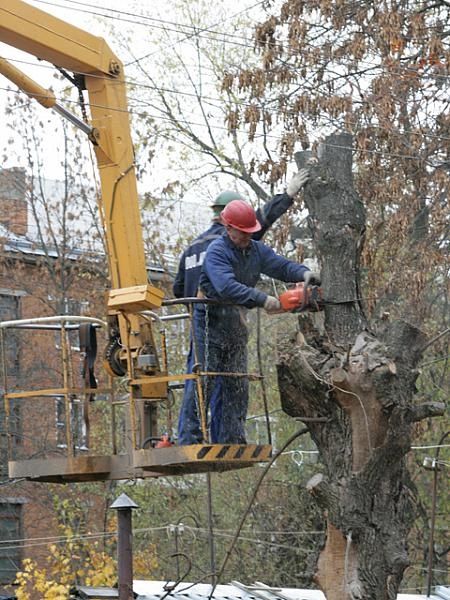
<point>132,347</point>
<point>131,350</point>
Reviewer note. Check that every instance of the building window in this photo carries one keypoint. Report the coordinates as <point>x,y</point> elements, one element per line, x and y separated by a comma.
<point>9,311</point>
<point>10,529</point>
<point>14,430</point>
<point>78,424</point>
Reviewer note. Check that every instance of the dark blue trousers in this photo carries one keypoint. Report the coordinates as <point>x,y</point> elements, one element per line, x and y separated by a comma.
<point>221,345</point>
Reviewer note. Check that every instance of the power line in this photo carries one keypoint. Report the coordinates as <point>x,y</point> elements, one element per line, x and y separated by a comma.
<point>242,131</point>
<point>362,62</point>
<point>205,29</point>
<point>38,541</point>
<point>195,28</point>
<point>197,31</point>
<point>245,104</point>
<point>430,447</point>
<point>132,82</point>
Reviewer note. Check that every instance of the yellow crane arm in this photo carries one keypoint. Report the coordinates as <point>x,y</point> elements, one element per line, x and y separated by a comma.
<point>132,347</point>
<point>49,38</point>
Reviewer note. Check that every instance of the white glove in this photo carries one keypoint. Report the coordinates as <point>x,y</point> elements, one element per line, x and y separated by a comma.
<point>272,305</point>
<point>311,278</point>
<point>297,182</point>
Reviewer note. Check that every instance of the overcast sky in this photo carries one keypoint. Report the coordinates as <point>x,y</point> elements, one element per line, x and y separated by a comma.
<point>124,17</point>
<point>87,14</point>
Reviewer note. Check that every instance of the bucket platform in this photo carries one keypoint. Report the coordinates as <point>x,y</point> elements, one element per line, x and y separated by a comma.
<point>154,462</point>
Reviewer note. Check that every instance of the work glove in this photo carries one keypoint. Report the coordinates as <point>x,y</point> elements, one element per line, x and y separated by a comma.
<point>297,182</point>
<point>311,278</point>
<point>272,305</point>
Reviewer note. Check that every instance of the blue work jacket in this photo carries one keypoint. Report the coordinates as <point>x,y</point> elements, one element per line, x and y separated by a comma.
<point>187,278</point>
<point>230,274</point>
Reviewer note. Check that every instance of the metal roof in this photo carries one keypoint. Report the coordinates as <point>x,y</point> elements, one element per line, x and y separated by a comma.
<point>155,590</point>
<point>85,592</point>
<point>22,245</point>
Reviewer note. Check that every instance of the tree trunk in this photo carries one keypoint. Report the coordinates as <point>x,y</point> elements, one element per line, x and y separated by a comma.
<point>363,382</point>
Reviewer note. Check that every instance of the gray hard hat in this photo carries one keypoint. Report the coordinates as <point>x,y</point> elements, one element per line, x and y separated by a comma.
<point>225,197</point>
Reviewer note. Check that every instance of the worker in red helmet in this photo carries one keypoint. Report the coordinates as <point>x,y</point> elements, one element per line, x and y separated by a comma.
<point>187,281</point>
<point>232,267</point>
<point>190,265</point>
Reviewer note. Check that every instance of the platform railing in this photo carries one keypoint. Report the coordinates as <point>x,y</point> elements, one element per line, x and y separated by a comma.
<point>126,456</point>
<point>63,324</point>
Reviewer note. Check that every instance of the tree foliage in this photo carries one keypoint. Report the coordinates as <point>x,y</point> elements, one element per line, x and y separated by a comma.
<point>378,70</point>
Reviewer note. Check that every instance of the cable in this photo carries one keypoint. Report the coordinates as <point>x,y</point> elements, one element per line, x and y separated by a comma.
<point>147,18</point>
<point>377,65</point>
<point>252,499</point>
<point>197,31</point>
<point>429,447</point>
<point>247,104</point>
<point>161,117</point>
<point>251,103</point>
<point>298,532</point>
<point>235,103</point>
<point>204,29</point>
<point>22,543</point>
<point>185,122</point>
<point>39,541</point>
<point>262,542</point>
<point>11,482</point>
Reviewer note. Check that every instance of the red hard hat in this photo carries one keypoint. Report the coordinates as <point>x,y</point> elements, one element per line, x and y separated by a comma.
<point>240,215</point>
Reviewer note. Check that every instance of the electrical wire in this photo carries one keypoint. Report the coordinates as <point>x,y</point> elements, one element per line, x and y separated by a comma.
<point>11,482</point>
<point>29,542</point>
<point>295,532</point>
<point>430,447</point>
<point>252,104</point>
<point>45,541</point>
<point>68,540</point>
<point>167,22</point>
<point>218,106</point>
<point>267,467</point>
<point>374,65</point>
<point>243,131</point>
<point>197,31</point>
<point>262,542</point>
<point>214,101</point>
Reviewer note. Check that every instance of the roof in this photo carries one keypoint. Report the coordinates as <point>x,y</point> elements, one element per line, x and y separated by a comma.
<point>85,592</point>
<point>154,590</point>
<point>24,246</point>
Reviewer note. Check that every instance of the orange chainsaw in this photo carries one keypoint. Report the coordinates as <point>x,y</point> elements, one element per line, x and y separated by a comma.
<point>302,298</point>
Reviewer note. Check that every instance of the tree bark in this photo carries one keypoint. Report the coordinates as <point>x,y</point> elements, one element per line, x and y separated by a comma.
<point>362,379</point>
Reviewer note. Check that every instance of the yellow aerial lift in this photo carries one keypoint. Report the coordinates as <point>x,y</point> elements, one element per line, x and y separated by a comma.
<point>132,350</point>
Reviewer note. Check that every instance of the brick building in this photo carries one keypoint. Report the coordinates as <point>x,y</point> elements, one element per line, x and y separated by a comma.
<point>41,277</point>
<point>35,280</point>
